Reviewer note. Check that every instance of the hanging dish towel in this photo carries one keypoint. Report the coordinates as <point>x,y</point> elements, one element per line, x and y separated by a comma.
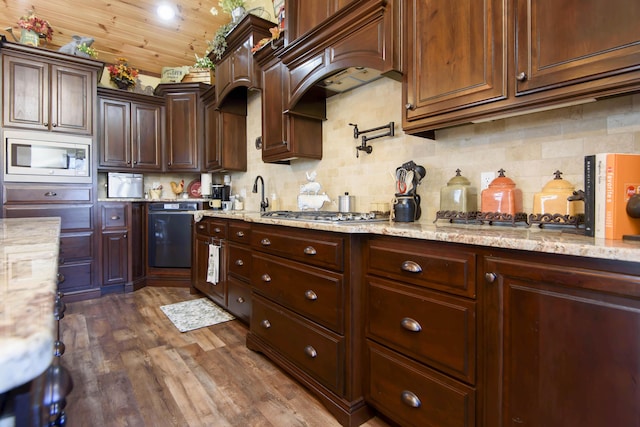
<point>213,268</point>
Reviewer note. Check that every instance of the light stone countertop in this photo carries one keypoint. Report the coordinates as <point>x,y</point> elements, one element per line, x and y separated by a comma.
<point>28,282</point>
<point>532,239</point>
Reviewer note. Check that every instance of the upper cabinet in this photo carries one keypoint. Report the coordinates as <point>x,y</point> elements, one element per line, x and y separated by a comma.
<point>300,19</point>
<point>236,68</point>
<point>478,60</point>
<point>45,90</point>
<point>184,136</point>
<point>130,131</point>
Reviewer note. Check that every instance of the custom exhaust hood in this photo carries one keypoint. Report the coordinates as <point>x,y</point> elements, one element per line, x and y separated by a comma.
<point>357,45</point>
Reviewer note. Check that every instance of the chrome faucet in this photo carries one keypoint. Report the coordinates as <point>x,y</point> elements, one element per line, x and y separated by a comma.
<point>264,202</point>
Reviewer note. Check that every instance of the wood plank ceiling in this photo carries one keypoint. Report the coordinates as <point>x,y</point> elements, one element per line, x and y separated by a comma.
<point>130,29</point>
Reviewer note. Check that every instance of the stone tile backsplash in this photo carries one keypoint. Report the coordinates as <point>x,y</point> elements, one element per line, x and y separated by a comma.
<point>529,147</point>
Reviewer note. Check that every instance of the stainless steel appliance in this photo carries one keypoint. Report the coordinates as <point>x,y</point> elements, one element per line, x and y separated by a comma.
<point>46,157</point>
<point>125,185</point>
<point>169,234</point>
<point>327,216</point>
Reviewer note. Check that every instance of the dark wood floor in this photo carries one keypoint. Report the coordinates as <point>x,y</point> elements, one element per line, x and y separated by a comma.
<point>132,367</point>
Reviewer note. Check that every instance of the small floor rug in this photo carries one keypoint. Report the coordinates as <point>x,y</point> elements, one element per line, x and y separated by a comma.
<point>195,314</point>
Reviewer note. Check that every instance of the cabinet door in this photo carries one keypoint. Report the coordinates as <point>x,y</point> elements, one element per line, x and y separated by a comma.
<point>146,136</point>
<point>212,155</point>
<point>274,144</point>
<point>233,141</point>
<point>182,132</point>
<point>456,55</point>
<point>300,20</point>
<point>25,88</point>
<point>564,346</point>
<point>115,258</point>
<point>115,134</point>
<point>136,236</point>
<point>561,43</point>
<point>71,100</point>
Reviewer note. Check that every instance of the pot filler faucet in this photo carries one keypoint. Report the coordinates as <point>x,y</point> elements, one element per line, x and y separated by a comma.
<point>264,202</point>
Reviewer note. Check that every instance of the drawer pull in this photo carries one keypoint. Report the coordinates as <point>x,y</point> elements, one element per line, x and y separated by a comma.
<point>411,267</point>
<point>310,295</point>
<point>265,324</point>
<point>410,399</point>
<point>115,218</point>
<point>265,278</point>
<point>490,277</point>
<point>239,262</point>
<point>310,250</point>
<point>217,229</point>
<point>50,194</point>
<point>201,227</point>
<point>240,233</point>
<point>240,300</point>
<point>410,325</point>
<point>311,352</point>
<point>265,242</point>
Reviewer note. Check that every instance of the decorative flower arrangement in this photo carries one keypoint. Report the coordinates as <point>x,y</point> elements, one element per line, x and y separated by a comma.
<point>219,43</point>
<point>88,50</point>
<point>204,63</point>
<point>122,74</point>
<point>31,22</point>
<point>227,6</point>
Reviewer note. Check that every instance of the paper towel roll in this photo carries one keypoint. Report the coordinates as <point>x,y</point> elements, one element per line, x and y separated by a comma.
<point>205,184</point>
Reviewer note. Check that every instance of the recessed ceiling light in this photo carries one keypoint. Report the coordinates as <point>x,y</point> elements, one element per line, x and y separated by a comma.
<point>166,11</point>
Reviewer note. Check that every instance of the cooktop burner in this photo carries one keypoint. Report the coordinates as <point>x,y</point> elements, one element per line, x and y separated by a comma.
<point>327,216</point>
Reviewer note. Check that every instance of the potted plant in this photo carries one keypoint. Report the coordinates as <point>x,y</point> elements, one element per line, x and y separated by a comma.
<point>204,63</point>
<point>233,8</point>
<point>88,50</point>
<point>218,45</point>
<point>122,74</point>
<point>33,29</point>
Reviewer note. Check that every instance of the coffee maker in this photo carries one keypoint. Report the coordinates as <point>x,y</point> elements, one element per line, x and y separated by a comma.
<point>219,193</point>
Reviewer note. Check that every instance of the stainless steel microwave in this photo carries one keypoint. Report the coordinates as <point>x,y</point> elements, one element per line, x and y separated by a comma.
<point>46,157</point>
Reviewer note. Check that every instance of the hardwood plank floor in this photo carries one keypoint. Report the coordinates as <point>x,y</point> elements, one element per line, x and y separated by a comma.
<point>131,367</point>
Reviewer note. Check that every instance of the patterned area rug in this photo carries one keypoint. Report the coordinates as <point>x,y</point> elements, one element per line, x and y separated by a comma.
<point>195,314</point>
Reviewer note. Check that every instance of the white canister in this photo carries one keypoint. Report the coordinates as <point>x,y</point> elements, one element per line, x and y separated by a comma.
<point>346,203</point>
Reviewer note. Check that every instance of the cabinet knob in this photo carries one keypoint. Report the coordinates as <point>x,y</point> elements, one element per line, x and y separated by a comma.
<point>240,300</point>
<point>60,278</point>
<point>410,324</point>
<point>201,227</point>
<point>266,278</point>
<point>169,164</point>
<point>310,295</point>
<point>124,236</point>
<point>522,76</point>
<point>265,324</point>
<point>310,250</point>
<point>217,230</point>
<point>490,277</point>
<point>115,218</point>
<point>409,106</point>
<point>240,233</point>
<point>50,194</point>
<point>128,162</point>
<point>265,242</point>
<point>411,267</point>
<point>135,162</point>
<point>311,352</point>
<point>54,125</point>
<point>239,262</point>
<point>45,124</point>
<point>410,399</point>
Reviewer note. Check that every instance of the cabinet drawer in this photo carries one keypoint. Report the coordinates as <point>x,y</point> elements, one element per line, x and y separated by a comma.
<point>309,291</point>
<point>72,217</point>
<point>38,193</point>
<point>240,261</point>
<point>76,246</point>
<point>240,232</point>
<point>317,351</point>
<point>432,265</point>
<point>217,229</point>
<point>414,395</point>
<point>312,247</point>
<point>114,216</point>
<point>433,328</point>
<point>77,277</point>
<point>239,299</point>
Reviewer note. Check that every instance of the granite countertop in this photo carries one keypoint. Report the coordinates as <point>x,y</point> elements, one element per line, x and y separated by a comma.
<point>28,283</point>
<point>532,239</point>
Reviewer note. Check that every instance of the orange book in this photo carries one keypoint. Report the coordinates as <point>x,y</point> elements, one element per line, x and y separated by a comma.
<point>622,180</point>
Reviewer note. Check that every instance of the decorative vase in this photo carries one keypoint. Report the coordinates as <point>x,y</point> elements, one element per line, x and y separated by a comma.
<point>29,37</point>
<point>237,14</point>
<point>122,84</point>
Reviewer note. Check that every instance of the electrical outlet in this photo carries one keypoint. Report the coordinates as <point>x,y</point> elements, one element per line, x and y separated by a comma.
<point>485,179</point>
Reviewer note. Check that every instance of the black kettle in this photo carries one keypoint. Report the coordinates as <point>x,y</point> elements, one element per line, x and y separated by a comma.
<point>406,208</point>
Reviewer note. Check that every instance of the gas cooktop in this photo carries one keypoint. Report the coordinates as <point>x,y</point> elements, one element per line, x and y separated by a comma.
<point>327,216</point>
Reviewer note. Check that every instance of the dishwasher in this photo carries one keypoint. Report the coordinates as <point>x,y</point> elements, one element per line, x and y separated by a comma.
<point>169,234</point>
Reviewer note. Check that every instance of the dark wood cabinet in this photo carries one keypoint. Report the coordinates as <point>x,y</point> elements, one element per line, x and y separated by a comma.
<point>206,232</point>
<point>302,16</point>
<point>184,129</point>
<point>130,131</point>
<point>225,133</point>
<point>561,341</point>
<point>304,286</point>
<point>78,242</point>
<point>45,90</point>
<point>471,61</point>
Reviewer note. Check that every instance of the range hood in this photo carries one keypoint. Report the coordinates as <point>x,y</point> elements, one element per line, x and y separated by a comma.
<point>348,79</point>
